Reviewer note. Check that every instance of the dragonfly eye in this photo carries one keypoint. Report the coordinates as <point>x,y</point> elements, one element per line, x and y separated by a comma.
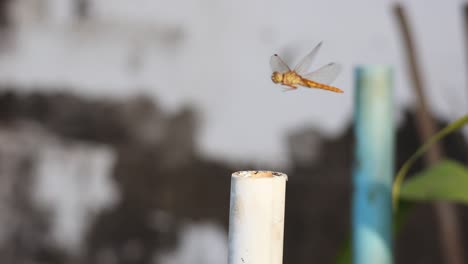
<point>277,77</point>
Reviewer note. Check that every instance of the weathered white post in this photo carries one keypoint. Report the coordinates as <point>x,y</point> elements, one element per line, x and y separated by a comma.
<point>256,219</point>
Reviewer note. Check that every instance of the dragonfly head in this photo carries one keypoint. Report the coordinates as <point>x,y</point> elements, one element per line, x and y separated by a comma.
<point>277,77</point>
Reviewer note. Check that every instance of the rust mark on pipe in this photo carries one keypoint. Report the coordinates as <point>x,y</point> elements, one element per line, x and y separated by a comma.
<point>261,174</point>
<point>258,174</point>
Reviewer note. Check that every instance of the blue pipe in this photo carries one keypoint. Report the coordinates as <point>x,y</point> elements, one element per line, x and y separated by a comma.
<point>374,166</point>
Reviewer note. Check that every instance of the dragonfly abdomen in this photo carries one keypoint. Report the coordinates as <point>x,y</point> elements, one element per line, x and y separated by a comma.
<point>313,84</point>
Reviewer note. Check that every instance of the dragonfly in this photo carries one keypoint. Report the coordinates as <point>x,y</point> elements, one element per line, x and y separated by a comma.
<point>320,78</point>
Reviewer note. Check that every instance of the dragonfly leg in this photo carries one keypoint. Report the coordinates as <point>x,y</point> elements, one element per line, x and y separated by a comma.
<point>291,88</point>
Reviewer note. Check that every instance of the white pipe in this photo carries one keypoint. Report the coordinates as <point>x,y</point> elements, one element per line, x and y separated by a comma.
<point>256,218</point>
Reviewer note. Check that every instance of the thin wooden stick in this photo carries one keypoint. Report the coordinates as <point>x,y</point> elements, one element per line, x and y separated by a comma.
<point>446,213</point>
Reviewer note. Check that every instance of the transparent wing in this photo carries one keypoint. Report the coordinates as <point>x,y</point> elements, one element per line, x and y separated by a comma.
<point>306,62</point>
<point>278,65</point>
<point>325,75</point>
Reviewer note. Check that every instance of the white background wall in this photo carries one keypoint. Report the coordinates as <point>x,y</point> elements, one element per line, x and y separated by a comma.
<point>215,54</point>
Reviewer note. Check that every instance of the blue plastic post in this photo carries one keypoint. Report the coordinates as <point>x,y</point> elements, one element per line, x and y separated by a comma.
<point>373,171</point>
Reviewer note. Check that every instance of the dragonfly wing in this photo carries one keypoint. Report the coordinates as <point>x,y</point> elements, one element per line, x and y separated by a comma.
<point>325,75</point>
<point>278,65</point>
<point>306,62</point>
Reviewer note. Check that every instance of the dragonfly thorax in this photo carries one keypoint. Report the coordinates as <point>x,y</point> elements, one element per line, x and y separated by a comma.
<point>287,78</point>
<point>291,78</point>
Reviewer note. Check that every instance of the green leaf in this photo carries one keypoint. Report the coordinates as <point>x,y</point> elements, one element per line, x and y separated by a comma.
<point>434,139</point>
<point>344,253</point>
<point>447,181</point>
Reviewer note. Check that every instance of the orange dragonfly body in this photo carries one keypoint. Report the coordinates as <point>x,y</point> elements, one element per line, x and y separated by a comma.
<point>320,78</point>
